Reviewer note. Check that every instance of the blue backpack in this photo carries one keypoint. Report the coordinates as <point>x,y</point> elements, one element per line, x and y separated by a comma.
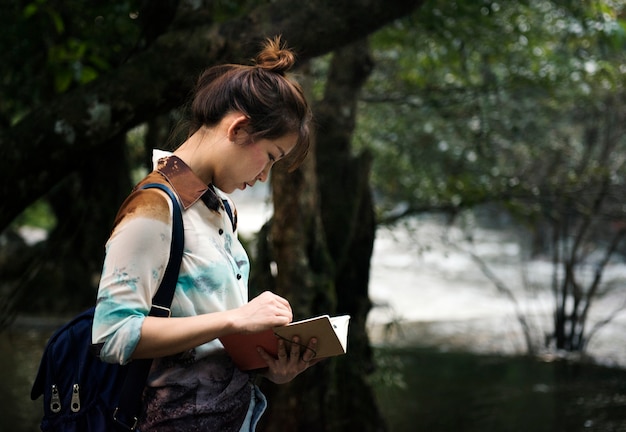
<point>81,393</point>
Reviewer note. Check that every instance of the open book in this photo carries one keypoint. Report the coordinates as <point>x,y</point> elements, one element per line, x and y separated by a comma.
<point>331,335</point>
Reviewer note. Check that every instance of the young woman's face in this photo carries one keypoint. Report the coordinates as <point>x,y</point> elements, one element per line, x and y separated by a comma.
<point>248,163</point>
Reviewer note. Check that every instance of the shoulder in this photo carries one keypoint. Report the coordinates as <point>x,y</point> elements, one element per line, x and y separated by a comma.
<point>148,203</point>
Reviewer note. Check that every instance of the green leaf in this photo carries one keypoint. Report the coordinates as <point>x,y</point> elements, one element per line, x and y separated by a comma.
<point>62,80</point>
<point>30,10</point>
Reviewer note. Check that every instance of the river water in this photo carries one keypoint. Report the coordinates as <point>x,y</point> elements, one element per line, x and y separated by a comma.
<point>427,290</point>
<point>435,289</point>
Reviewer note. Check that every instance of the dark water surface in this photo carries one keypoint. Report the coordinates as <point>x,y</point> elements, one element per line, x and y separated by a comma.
<point>418,390</point>
<point>424,390</point>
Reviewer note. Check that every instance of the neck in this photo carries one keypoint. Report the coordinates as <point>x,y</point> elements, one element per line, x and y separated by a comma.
<point>195,152</point>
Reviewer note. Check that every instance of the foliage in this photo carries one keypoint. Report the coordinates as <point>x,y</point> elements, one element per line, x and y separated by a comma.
<point>55,46</point>
<point>517,103</point>
<point>469,100</point>
<point>38,215</point>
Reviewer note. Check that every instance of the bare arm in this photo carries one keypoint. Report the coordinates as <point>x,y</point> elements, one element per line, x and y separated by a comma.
<point>167,336</point>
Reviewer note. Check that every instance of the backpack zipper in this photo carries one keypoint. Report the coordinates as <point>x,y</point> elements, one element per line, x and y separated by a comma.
<point>75,404</point>
<point>55,400</point>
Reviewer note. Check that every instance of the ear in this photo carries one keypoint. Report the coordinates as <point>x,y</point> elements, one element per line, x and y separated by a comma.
<point>237,129</point>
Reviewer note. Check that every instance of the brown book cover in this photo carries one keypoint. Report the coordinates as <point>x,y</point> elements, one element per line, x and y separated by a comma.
<point>331,334</point>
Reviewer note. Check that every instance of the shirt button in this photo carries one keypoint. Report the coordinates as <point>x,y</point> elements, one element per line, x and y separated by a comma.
<point>221,231</point>
<point>238,276</point>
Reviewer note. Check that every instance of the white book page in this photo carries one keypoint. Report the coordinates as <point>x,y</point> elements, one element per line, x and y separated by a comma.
<point>340,325</point>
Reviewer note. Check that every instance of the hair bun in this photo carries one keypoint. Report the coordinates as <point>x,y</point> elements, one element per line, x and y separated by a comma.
<point>275,56</point>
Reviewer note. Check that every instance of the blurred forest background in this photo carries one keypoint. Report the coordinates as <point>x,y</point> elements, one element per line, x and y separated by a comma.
<point>508,115</point>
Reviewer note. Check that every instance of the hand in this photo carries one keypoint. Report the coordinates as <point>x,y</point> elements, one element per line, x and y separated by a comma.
<point>290,363</point>
<point>262,312</point>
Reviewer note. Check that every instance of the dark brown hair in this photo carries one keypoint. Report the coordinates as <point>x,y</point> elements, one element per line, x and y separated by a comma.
<point>274,103</point>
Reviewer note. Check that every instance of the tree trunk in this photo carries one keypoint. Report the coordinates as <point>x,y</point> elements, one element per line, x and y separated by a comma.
<point>321,241</point>
<point>350,227</point>
<point>293,243</point>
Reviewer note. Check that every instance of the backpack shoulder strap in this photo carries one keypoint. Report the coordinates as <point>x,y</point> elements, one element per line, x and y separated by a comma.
<point>162,300</point>
<point>129,405</point>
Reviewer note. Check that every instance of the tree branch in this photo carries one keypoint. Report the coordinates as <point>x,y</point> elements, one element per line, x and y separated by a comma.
<point>48,143</point>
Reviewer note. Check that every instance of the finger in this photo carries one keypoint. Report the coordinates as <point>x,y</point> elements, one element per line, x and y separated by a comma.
<point>313,361</point>
<point>284,305</point>
<point>284,302</point>
<point>285,310</point>
<point>281,312</point>
<point>282,351</point>
<point>295,347</point>
<point>310,352</point>
<point>268,359</point>
<point>275,297</point>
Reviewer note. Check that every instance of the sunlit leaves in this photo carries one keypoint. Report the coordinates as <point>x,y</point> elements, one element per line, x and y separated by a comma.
<point>42,7</point>
<point>486,100</point>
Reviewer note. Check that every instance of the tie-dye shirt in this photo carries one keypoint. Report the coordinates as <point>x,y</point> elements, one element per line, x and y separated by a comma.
<point>213,277</point>
<point>214,270</point>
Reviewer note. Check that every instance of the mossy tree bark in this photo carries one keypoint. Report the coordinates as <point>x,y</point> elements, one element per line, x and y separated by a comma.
<point>321,239</point>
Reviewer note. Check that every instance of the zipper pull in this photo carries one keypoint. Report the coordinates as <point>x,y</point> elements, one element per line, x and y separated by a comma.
<point>75,404</point>
<point>55,401</point>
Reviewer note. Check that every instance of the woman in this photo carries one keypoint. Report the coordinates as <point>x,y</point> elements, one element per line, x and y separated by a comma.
<point>243,120</point>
